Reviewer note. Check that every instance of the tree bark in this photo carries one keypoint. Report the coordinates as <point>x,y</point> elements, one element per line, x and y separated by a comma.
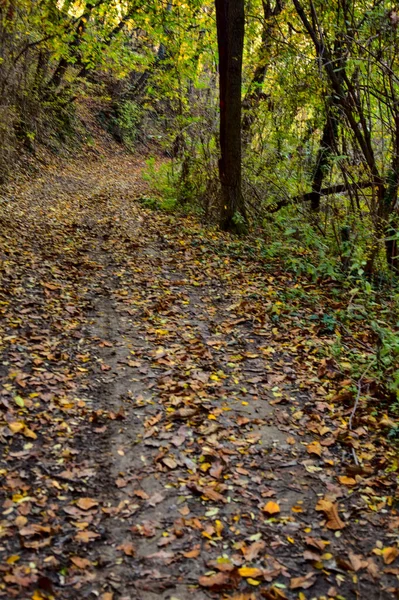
<point>327,143</point>
<point>230,32</point>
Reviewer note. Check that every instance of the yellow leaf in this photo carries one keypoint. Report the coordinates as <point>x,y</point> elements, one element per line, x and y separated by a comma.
<point>16,426</point>
<point>272,508</point>
<point>389,554</point>
<point>29,433</point>
<point>17,498</point>
<point>253,581</point>
<point>249,572</point>
<point>12,559</point>
<point>219,527</point>
<point>205,467</point>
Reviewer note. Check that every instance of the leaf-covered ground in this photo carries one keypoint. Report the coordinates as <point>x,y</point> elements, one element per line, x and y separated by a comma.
<point>170,425</point>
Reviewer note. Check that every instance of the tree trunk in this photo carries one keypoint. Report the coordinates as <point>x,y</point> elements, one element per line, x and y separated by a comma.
<point>255,94</point>
<point>323,158</point>
<point>230,32</point>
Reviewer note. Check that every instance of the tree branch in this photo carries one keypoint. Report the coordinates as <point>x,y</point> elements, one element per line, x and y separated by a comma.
<point>339,188</point>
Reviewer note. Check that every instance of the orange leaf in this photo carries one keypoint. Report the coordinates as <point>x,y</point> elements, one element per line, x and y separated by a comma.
<point>192,553</point>
<point>250,572</point>
<point>272,508</point>
<point>86,503</point>
<point>347,480</point>
<point>315,448</point>
<point>390,554</point>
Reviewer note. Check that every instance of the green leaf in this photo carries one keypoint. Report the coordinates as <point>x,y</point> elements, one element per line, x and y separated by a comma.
<point>20,401</point>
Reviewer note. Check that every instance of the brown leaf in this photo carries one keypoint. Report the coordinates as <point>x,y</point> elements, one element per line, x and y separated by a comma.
<point>213,494</point>
<point>86,536</point>
<point>81,563</point>
<point>121,483</point>
<point>254,550</point>
<point>169,462</point>
<point>274,594</point>
<point>314,448</point>
<point>127,548</point>
<point>357,561</point>
<point>312,556</point>
<point>216,470</point>
<point>192,553</point>
<point>304,582</point>
<point>86,503</point>
<point>318,544</point>
<point>331,511</point>
<point>141,494</point>
<point>217,581</point>
<point>156,499</point>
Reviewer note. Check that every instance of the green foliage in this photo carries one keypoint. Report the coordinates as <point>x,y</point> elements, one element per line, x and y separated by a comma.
<point>124,122</point>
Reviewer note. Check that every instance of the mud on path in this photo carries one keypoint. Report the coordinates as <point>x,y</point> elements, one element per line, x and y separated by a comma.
<point>162,437</point>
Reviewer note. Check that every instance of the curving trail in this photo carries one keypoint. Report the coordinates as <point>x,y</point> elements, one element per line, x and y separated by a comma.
<point>163,434</point>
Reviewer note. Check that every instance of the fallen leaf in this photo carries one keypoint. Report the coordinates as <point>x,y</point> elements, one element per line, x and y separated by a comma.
<point>156,499</point>
<point>254,550</point>
<point>192,553</point>
<point>250,572</point>
<point>271,508</point>
<point>347,480</point>
<point>315,448</point>
<point>304,582</point>
<point>86,536</point>
<point>169,462</point>
<point>217,581</point>
<point>331,511</point>
<point>86,503</point>
<point>81,563</point>
<point>127,548</point>
<point>390,554</point>
<point>16,426</point>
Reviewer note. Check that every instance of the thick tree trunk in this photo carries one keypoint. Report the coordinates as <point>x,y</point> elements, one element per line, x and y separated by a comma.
<point>230,31</point>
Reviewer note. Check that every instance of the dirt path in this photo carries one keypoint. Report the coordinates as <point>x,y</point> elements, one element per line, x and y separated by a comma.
<point>163,436</point>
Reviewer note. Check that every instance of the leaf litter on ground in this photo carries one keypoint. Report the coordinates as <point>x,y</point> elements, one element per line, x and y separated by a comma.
<point>170,426</point>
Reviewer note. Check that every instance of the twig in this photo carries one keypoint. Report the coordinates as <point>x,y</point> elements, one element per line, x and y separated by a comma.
<point>359,389</point>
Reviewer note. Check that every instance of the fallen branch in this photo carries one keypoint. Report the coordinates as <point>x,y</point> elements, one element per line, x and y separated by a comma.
<point>359,390</point>
<point>339,188</point>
